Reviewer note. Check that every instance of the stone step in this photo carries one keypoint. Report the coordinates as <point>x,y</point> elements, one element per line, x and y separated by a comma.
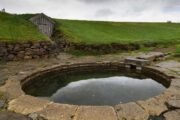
<point>136,62</point>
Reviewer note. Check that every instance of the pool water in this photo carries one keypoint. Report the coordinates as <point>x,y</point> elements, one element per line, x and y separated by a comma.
<point>94,88</point>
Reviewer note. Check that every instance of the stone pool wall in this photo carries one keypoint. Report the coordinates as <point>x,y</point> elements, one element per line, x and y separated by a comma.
<point>28,50</point>
<point>164,106</point>
<point>157,75</point>
<point>81,67</point>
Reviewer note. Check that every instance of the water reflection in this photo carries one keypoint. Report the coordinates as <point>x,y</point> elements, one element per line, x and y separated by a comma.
<point>107,91</point>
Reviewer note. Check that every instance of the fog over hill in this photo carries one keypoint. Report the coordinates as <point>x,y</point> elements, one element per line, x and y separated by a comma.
<point>114,10</point>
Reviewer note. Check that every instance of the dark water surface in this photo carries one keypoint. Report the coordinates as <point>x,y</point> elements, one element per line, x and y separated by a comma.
<point>94,88</point>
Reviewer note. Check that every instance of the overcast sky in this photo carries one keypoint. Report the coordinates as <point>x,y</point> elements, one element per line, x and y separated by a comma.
<point>114,10</point>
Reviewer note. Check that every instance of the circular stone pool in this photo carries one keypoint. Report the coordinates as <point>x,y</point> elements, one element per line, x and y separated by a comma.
<point>95,87</point>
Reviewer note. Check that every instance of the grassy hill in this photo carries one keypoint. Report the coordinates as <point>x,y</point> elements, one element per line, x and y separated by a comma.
<point>93,32</point>
<point>15,28</point>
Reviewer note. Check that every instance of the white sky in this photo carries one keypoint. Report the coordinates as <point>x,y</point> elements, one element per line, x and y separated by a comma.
<point>113,10</point>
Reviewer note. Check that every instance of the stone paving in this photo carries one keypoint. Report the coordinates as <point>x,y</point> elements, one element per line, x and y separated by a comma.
<point>166,105</point>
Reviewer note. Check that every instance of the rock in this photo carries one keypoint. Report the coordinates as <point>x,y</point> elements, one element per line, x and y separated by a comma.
<point>3,51</point>
<point>11,85</point>
<point>153,106</point>
<point>21,54</point>
<point>172,115</point>
<point>152,56</point>
<point>42,51</point>
<point>95,113</point>
<point>17,48</point>
<point>45,47</point>
<point>131,111</point>
<point>2,44</point>
<point>27,104</point>
<point>36,45</point>
<point>174,65</point>
<point>174,104</point>
<point>27,57</point>
<point>12,116</point>
<point>10,57</point>
<point>35,51</point>
<point>10,47</point>
<point>136,62</point>
<point>56,111</point>
<point>174,91</point>
<point>35,116</point>
<point>26,45</point>
<point>175,82</point>
<point>29,52</point>
<point>36,57</point>
<point>2,104</point>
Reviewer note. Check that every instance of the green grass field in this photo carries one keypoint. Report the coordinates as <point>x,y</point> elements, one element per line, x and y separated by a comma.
<point>15,28</point>
<point>18,28</point>
<point>93,32</point>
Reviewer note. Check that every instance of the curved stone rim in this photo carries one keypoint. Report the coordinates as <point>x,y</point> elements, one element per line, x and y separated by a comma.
<point>23,100</point>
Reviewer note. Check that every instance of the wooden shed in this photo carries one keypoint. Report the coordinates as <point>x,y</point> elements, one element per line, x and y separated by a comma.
<point>44,23</point>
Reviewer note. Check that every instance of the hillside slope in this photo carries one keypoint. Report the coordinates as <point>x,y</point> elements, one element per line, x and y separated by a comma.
<point>18,28</point>
<point>93,32</point>
<point>15,28</point>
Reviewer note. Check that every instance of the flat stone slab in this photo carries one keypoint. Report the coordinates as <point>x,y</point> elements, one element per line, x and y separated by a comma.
<point>26,104</point>
<point>153,106</point>
<point>58,112</point>
<point>12,89</point>
<point>131,111</point>
<point>174,104</point>
<point>175,82</point>
<point>12,116</point>
<point>172,115</point>
<point>174,91</point>
<point>151,56</point>
<point>95,113</point>
<point>136,62</point>
<point>171,66</point>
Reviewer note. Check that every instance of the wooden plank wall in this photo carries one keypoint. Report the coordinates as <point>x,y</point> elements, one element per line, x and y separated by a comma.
<point>44,25</point>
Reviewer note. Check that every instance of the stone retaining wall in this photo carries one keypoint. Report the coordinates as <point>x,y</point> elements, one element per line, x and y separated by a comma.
<point>100,48</point>
<point>68,45</point>
<point>28,50</point>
